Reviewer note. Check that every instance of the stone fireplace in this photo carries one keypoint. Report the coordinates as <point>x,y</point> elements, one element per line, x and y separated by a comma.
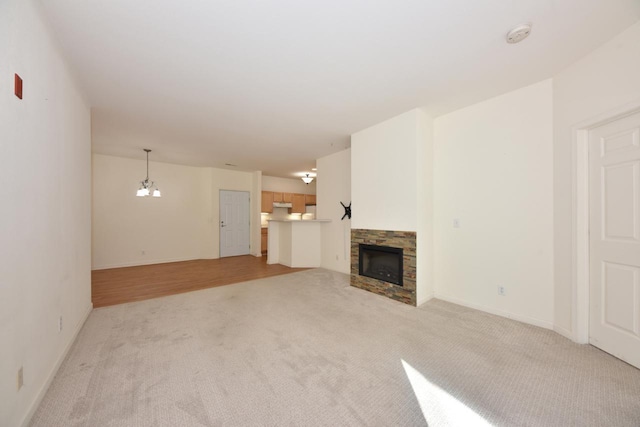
<point>384,262</point>
<point>381,262</point>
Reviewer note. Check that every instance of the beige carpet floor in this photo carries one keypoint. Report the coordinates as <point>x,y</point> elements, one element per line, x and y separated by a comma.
<point>306,349</point>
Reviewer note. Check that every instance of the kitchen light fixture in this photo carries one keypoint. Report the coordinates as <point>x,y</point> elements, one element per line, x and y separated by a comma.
<point>307,179</point>
<point>148,187</point>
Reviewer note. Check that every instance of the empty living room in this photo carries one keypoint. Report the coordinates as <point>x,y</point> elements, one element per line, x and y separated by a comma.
<point>388,213</point>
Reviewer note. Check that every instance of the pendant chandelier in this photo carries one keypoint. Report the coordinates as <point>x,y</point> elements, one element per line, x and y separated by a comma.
<point>148,188</point>
<point>307,179</point>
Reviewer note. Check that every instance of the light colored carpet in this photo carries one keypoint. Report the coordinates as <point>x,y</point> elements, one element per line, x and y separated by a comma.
<point>307,349</point>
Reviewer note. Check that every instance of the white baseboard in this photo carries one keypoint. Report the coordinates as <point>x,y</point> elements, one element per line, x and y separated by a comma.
<point>564,332</point>
<point>146,262</point>
<point>502,313</point>
<point>43,390</point>
<point>423,300</point>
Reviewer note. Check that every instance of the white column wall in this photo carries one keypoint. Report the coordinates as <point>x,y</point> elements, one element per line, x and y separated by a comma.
<point>334,186</point>
<point>392,185</point>
<point>384,175</point>
<point>424,196</point>
<point>256,194</point>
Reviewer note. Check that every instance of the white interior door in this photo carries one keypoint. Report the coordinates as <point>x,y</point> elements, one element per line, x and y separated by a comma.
<point>614,186</point>
<point>234,223</point>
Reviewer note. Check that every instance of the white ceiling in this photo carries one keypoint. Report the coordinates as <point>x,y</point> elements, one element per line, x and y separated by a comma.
<point>273,85</point>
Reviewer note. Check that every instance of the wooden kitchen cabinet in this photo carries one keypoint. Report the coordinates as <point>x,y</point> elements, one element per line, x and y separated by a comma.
<point>277,197</point>
<point>264,240</point>
<point>297,203</point>
<point>287,197</point>
<point>309,199</point>
<point>267,202</point>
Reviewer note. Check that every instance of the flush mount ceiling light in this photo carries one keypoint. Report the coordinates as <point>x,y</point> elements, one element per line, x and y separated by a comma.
<point>519,33</point>
<point>307,179</point>
<point>147,187</point>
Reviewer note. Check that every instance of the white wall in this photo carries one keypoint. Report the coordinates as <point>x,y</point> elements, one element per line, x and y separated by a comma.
<point>384,175</point>
<point>129,230</point>
<point>493,170</point>
<point>45,219</point>
<point>256,217</point>
<point>424,196</point>
<point>602,84</point>
<point>181,225</point>
<point>288,185</point>
<point>334,186</point>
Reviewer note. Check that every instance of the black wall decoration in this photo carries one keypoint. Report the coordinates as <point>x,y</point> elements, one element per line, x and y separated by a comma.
<point>347,211</point>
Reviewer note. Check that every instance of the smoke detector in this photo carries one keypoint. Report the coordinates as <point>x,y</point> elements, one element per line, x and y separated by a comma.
<point>519,33</point>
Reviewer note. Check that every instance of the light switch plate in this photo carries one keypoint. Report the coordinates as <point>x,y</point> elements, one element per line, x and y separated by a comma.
<point>20,379</point>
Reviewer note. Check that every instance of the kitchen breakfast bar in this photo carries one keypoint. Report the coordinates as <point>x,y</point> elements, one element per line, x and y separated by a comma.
<point>295,243</point>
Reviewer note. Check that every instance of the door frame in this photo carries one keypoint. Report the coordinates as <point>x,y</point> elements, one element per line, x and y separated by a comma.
<point>580,214</point>
<point>220,190</point>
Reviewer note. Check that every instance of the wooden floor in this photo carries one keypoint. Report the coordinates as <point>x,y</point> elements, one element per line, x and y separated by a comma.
<point>120,285</point>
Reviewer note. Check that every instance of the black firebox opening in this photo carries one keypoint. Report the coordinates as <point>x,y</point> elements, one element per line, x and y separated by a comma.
<point>381,262</point>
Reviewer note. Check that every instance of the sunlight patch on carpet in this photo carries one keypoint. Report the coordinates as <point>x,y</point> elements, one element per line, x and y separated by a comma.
<point>439,407</point>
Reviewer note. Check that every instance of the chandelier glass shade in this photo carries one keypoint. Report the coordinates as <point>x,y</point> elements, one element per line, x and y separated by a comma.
<point>307,179</point>
<point>147,187</point>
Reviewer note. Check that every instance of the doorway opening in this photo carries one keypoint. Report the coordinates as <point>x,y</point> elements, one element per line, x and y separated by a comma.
<point>235,224</point>
<point>601,311</point>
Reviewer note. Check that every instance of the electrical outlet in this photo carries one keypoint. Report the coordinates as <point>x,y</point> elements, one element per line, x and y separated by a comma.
<point>456,223</point>
<point>20,379</point>
<point>60,324</point>
<point>502,290</point>
<point>337,258</point>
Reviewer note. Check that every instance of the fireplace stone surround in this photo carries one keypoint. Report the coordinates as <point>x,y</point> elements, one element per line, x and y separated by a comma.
<point>406,240</point>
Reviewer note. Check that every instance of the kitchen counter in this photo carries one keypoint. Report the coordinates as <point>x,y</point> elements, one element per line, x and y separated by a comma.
<point>295,243</point>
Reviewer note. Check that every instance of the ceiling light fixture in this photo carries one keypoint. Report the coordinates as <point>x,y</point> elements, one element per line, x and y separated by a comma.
<point>519,33</point>
<point>147,187</point>
<point>307,179</point>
